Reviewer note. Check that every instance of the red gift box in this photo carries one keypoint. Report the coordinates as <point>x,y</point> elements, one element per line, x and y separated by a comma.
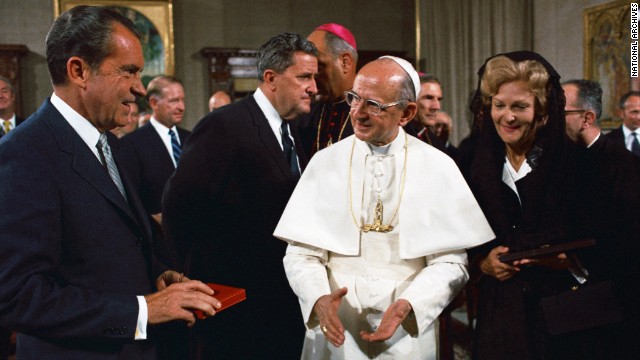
<point>227,295</point>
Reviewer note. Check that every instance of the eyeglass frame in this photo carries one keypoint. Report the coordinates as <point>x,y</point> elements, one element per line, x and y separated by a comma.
<point>369,102</point>
<point>576,111</point>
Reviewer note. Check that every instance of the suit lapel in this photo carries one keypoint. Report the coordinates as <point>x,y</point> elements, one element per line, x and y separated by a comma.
<point>267,136</point>
<point>84,162</point>
<point>155,142</point>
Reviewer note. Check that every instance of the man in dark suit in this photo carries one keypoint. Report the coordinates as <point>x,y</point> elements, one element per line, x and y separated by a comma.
<point>78,272</point>
<point>222,205</point>
<point>607,201</point>
<point>151,153</point>
<point>628,134</point>
<point>7,107</point>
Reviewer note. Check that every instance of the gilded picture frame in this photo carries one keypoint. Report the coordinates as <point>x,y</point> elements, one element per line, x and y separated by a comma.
<point>154,20</point>
<point>607,55</point>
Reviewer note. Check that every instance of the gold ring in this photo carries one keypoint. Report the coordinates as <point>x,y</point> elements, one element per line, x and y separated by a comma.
<point>324,329</point>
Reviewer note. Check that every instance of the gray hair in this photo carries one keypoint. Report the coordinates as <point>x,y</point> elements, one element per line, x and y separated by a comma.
<point>277,53</point>
<point>11,87</point>
<point>337,46</point>
<point>589,95</point>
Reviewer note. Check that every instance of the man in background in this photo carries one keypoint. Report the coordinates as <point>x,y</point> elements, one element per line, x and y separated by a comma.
<point>79,279</point>
<point>221,206</point>
<point>132,122</point>
<point>219,99</point>
<point>328,122</point>
<point>429,102</point>
<point>7,107</point>
<point>628,133</point>
<point>152,153</point>
<point>608,203</point>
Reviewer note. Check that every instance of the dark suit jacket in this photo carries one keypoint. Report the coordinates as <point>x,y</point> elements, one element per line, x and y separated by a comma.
<point>74,254</point>
<point>221,207</point>
<point>617,135</point>
<point>149,166</point>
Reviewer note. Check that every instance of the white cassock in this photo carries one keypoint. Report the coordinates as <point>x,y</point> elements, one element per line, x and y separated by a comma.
<point>422,260</point>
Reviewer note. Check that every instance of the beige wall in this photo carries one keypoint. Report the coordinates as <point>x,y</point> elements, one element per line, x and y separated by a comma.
<point>558,34</point>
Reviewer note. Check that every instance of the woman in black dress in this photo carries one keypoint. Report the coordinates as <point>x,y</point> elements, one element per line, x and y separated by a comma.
<point>520,175</point>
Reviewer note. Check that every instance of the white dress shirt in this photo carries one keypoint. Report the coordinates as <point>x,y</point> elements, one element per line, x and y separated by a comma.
<point>163,132</point>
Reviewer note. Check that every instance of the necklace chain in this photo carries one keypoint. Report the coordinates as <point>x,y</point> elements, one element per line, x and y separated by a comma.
<point>377,225</point>
<point>329,142</point>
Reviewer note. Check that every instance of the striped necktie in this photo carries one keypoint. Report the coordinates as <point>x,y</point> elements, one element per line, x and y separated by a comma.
<point>6,126</point>
<point>109,164</point>
<point>175,146</point>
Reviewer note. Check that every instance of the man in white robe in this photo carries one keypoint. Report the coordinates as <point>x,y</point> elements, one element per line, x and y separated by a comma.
<point>377,230</point>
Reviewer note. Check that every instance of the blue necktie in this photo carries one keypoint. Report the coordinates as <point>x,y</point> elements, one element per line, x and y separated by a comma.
<point>635,145</point>
<point>289,150</point>
<point>175,146</point>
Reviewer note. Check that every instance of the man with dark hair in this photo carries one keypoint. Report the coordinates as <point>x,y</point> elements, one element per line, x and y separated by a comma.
<point>377,229</point>
<point>328,122</point>
<point>7,107</point>
<point>628,134</point>
<point>607,200</point>
<point>78,271</point>
<point>223,202</point>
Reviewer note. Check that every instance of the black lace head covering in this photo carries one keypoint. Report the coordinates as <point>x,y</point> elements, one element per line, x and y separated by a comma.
<point>547,157</point>
<point>547,135</point>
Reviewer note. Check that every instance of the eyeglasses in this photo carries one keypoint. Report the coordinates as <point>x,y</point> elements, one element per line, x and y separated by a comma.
<point>372,107</point>
<point>569,112</point>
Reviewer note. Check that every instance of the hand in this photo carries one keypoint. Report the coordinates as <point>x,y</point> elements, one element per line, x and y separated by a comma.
<point>170,277</point>
<point>326,309</point>
<point>557,261</point>
<point>492,266</point>
<point>157,218</point>
<point>392,318</point>
<point>179,300</point>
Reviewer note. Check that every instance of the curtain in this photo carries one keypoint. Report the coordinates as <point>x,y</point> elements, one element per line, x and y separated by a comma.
<point>457,36</point>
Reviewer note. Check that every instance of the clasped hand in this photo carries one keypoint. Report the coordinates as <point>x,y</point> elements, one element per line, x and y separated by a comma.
<point>326,309</point>
<point>178,297</point>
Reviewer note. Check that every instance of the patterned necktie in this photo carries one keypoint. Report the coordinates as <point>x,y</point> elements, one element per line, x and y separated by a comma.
<point>107,161</point>
<point>289,150</point>
<point>175,146</point>
<point>7,126</point>
<point>635,145</point>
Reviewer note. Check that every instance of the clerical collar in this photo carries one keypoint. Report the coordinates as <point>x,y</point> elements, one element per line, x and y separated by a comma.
<point>379,150</point>
<point>394,147</point>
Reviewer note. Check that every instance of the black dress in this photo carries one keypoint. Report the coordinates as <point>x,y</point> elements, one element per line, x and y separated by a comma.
<point>509,320</point>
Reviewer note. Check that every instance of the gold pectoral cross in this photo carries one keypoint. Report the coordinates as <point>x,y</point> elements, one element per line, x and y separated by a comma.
<point>377,225</point>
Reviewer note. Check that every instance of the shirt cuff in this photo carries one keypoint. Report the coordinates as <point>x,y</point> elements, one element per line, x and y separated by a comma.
<point>143,316</point>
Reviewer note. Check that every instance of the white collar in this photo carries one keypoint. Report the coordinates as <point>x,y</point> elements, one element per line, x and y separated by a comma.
<point>87,131</point>
<point>270,112</point>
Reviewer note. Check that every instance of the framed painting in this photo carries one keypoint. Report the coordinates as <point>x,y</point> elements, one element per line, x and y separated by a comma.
<point>607,55</point>
<point>154,20</point>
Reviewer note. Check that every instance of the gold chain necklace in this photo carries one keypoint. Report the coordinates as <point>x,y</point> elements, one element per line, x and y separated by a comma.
<point>377,225</point>
<point>329,142</point>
